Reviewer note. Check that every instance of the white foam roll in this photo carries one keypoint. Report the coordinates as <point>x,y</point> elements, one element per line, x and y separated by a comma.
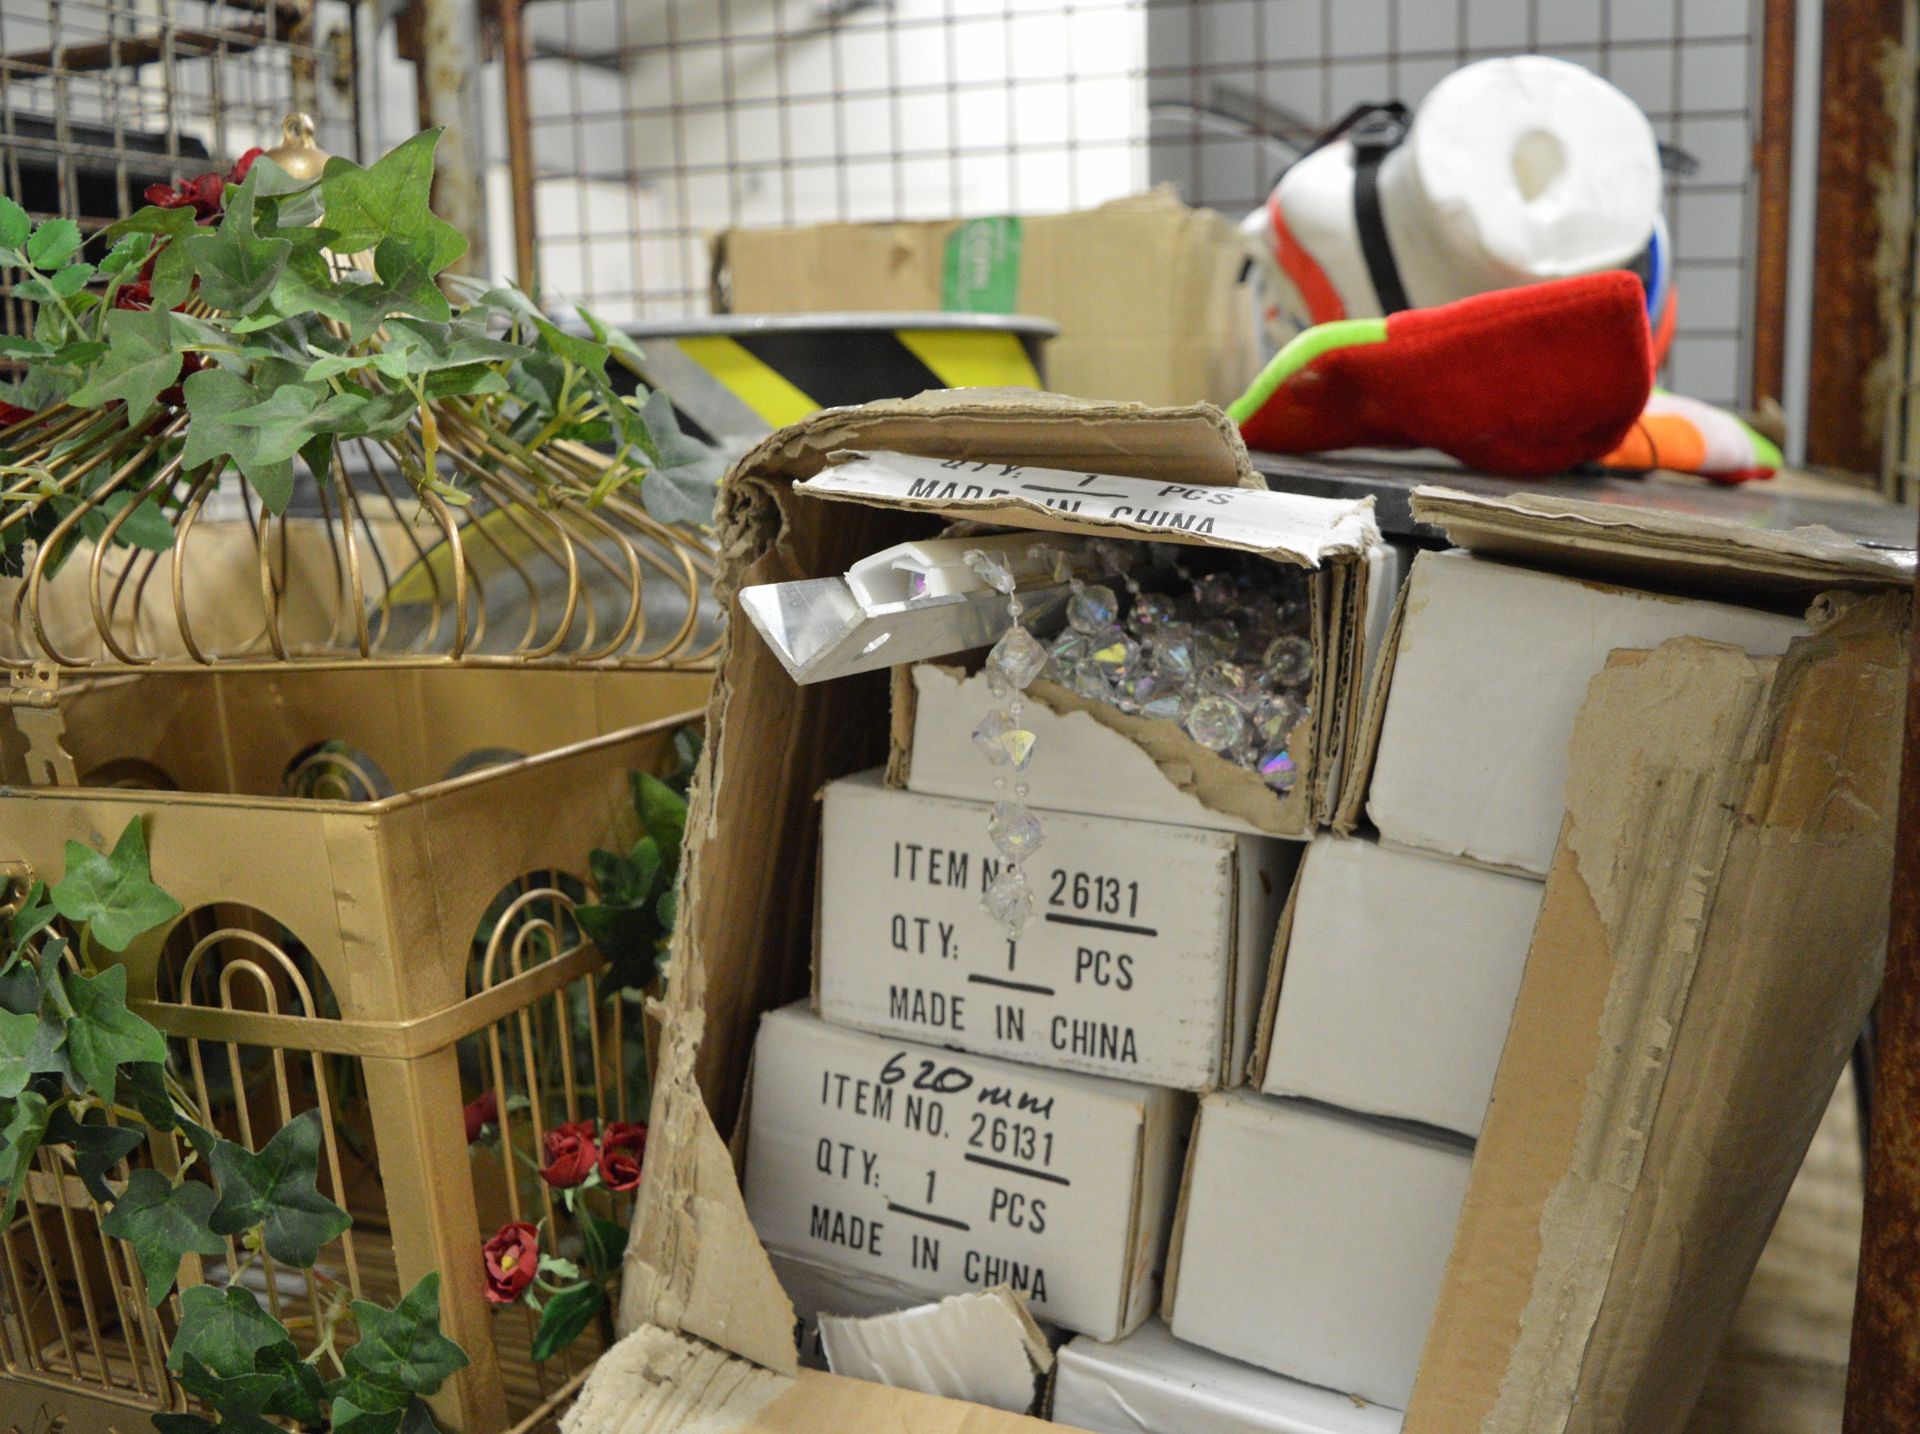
<point>1517,170</point>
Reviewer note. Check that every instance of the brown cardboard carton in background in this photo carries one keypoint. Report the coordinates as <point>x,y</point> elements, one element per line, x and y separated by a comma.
<point>1181,330</point>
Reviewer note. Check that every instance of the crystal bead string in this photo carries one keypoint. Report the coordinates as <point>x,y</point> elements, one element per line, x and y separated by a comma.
<point>1012,665</point>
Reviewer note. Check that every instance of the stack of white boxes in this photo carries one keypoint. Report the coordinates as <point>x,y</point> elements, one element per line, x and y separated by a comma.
<point>965,1111</point>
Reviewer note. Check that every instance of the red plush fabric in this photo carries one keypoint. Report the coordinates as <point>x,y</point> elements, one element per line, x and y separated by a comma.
<point>1521,382</point>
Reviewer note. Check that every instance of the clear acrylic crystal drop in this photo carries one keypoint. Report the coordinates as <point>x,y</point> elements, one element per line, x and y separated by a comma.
<point>1276,717</point>
<point>1014,829</point>
<point>1017,743</point>
<point>1116,654</point>
<point>1230,679</point>
<point>1089,680</point>
<point>1018,656</point>
<point>997,683</point>
<point>1008,899</point>
<point>987,736</point>
<point>1093,608</point>
<point>1151,612</point>
<point>1069,650</point>
<point>1217,723</point>
<point>1217,593</point>
<point>990,568</point>
<point>1289,660</point>
<point>1173,652</point>
<point>1276,767</point>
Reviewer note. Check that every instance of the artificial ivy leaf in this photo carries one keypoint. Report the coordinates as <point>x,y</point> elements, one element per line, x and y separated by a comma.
<point>686,475</point>
<point>57,287</point>
<point>140,362</point>
<point>36,913</point>
<point>301,1395</point>
<point>20,989</point>
<point>622,346</point>
<point>389,200</point>
<point>164,1223</point>
<point>607,1239</point>
<point>668,909</point>
<point>97,1148</point>
<point>173,270</point>
<point>143,1085</point>
<point>567,1314</point>
<point>16,1041</point>
<point>429,346</point>
<point>19,345</point>
<point>128,250</point>
<point>102,1033</point>
<point>184,1424</point>
<point>52,242</point>
<point>236,265</point>
<point>468,379</point>
<point>581,352</point>
<point>14,225</point>
<point>215,398</point>
<point>146,527</point>
<point>391,365</point>
<point>20,1132</point>
<point>223,1329</point>
<point>358,1409</point>
<point>156,220</point>
<point>405,266</point>
<point>240,1399</point>
<point>663,816</point>
<point>402,1348</point>
<point>276,1189</point>
<point>113,894</point>
<point>80,353</point>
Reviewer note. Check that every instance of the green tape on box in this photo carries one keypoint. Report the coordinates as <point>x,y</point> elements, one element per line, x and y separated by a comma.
<point>982,267</point>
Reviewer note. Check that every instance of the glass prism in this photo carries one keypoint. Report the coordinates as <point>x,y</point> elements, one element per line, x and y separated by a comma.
<point>1018,655</point>
<point>1217,723</point>
<point>990,568</point>
<point>1289,660</point>
<point>1014,829</point>
<point>1009,900</point>
<point>1093,608</point>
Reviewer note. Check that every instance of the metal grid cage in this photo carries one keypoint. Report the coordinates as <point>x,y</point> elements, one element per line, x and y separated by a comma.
<point>654,127</point>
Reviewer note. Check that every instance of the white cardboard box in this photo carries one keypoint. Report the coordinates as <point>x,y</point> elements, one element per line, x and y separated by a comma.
<point>1313,1243</point>
<point>1146,959</point>
<point>1491,663</point>
<point>1151,1383</point>
<point>1394,981</point>
<point>941,1173</point>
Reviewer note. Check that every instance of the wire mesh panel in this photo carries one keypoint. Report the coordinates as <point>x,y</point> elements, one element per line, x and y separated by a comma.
<point>658,124</point>
<point>100,98</point>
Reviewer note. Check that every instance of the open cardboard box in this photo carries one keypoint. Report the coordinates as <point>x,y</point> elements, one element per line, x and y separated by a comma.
<point>1711,939</point>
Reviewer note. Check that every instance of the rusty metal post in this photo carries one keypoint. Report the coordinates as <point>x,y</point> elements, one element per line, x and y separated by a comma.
<point>513,69</point>
<point>448,71</point>
<point>1883,1375</point>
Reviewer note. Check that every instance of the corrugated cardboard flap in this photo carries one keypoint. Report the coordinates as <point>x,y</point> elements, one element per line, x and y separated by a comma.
<point>1198,444</point>
<point>1661,549</point>
<point>1287,527</point>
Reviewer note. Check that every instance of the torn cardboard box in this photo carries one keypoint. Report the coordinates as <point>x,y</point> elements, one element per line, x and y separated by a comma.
<point>1146,961</point>
<point>942,1173</point>
<point>1767,1023</point>
<point>1183,335</point>
<point>1709,944</point>
<point>983,1348</point>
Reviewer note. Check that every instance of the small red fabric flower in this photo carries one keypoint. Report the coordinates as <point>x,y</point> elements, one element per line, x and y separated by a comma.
<point>570,1154</point>
<point>623,1149</point>
<point>205,194</point>
<point>238,174</point>
<point>12,413</point>
<point>513,1259</point>
<point>481,1113</point>
<point>137,295</point>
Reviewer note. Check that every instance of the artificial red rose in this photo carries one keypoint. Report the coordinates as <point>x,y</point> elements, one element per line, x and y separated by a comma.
<point>622,1150</point>
<point>570,1154</point>
<point>513,1259</point>
<point>238,174</point>
<point>12,413</point>
<point>480,1114</point>
<point>204,194</point>
<point>137,295</point>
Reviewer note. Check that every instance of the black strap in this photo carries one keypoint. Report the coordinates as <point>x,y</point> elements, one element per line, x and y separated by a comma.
<point>1374,138</point>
